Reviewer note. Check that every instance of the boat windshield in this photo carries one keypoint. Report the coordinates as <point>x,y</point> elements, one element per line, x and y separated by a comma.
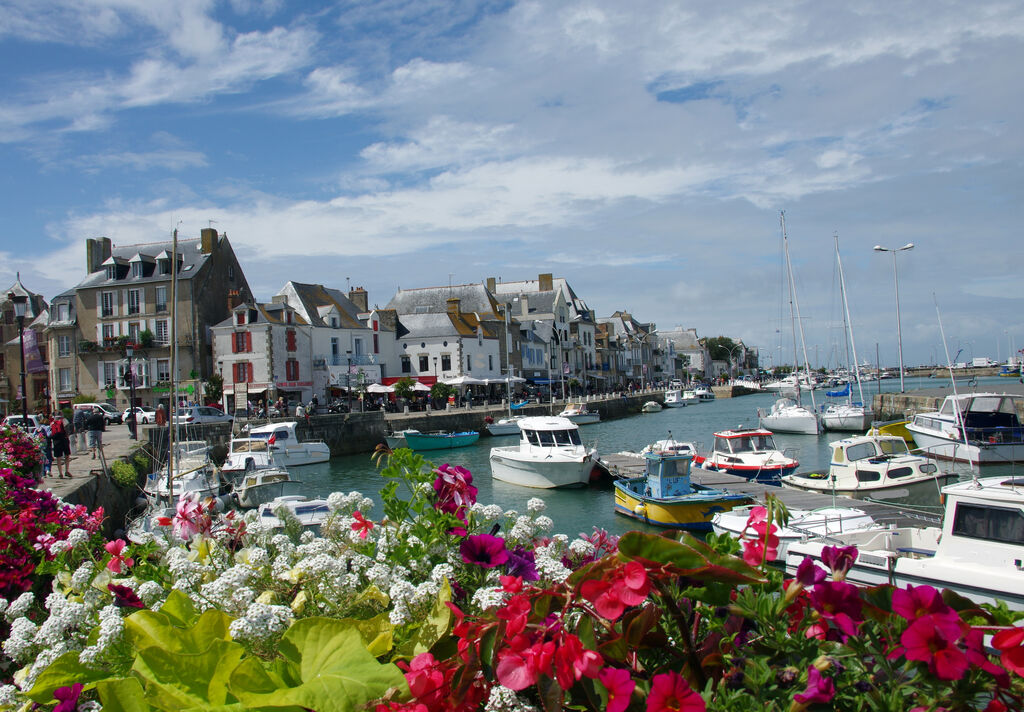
<point>896,446</point>
<point>558,438</point>
<point>249,445</point>
<point>279,435</point>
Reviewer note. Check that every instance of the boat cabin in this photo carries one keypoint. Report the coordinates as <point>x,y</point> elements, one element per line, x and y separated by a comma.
<point>667,475</point>
<point>743,441</point>
<point>249,445</point>
<point>985,516</point>
<point>283,433</point>
<point>549,432</point>
<point>873,458</point>
<point>987,417</point>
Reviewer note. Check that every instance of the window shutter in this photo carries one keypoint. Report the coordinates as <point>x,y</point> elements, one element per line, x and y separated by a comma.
<point>248,341</point>
<point>248,375</point>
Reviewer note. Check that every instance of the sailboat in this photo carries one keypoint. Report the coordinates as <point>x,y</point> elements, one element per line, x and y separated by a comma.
<point>788,415</point>
<point>509,425</point>
<point>846,415</point>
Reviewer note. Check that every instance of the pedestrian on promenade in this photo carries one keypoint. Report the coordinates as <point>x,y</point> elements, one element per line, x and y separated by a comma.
<point>42,432</point>
<point>81,414</point>
<point>133,424</point>
<point>94,424</point>
<point>161,416</point>
<point>61,443</point>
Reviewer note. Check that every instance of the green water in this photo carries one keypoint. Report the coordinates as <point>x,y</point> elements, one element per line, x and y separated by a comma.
<point>580,510</point>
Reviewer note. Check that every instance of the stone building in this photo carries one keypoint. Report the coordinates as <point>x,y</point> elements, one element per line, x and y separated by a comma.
<point>36,352</point>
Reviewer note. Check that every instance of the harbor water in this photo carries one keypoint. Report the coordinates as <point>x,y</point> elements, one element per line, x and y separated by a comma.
<point>579,510</point>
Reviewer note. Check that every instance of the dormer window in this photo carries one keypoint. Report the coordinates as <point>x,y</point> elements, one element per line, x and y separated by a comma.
<point>111,271</point>
<point>164,266</point>
<point>136,269</point>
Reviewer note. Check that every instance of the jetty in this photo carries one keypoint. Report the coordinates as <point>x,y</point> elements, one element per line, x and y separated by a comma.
<point>626,464</point>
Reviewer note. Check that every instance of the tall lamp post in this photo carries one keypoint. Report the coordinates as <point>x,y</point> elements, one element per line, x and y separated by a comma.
<point>133,422</point>
<point>896,281</point>
<point>20,303</point>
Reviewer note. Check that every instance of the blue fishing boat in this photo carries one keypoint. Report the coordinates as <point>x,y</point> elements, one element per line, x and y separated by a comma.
<point>440,440</point>
<point>664,495</point>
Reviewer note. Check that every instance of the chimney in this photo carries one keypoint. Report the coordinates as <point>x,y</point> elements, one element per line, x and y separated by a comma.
<point>453,306</point>
<point>545,282</point>
<point>360,298</point>
<point>208,240</point>
<point>524,305</point>
<point>234,299</point>
<point>491,284</point>
<point>96,253</point>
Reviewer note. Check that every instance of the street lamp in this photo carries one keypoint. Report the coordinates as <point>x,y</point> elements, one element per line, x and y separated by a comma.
<point>896,281</point>
<point>133,422</point>
<point>20,303</point>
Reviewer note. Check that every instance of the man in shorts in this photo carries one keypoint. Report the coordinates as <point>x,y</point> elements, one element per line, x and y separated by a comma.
<point>81,442</point>
<point>61,444</point>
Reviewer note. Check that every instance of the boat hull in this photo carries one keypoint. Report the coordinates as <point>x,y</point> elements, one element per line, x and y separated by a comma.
<point>803,524</point>
<point>692,512</point>
<point>843,418</point>
<point>800,424</point>
<point>555,470</point>
<point>505,426</point>
<point>921,489</point>
<point>435,441</point>
<point>584,418</point>
<point>974,453</point>
<point>765,474</point>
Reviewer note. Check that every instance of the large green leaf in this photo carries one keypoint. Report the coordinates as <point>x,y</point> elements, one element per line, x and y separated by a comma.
<point>337,673</point>
<point>429,631</point>
<point>146,629</point>
<point>690,557</point>
<point>176,680</point>
<point>63,672</point>
<point>180,609</point>
<point>123,694</point>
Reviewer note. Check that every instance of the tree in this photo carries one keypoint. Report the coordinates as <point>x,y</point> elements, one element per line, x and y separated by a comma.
<point>719,347</point>
<point>403,388</point>
<point>214,388</point>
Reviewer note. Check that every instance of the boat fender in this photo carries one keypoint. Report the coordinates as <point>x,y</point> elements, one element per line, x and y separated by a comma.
<point>639,510</point>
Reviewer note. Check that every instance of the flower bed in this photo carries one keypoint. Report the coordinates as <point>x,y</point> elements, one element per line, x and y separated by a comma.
<point>443,603</point>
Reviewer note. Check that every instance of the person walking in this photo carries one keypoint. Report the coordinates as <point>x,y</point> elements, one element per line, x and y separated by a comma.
<point>81,444</point>
<point>161,416</point>
<point>95,425</point>
<point>61,442</point>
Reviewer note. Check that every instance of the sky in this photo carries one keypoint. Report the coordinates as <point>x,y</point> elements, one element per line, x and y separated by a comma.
<point>644,151</point>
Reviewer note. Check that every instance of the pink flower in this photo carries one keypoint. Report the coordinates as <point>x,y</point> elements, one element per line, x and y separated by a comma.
<point>819,688</point>
<point>671,693</point>
<point>917,601</point>
<point>934,641</point>
<point>114,548</point>
<point>67,697</point>
<point>839,559</point>
<point>627,586</point>
<point>765,547</point>
<point>361,524</point>
<point>573,661</point>
<point>484,550</point>
<point>521,663</point>
<point>808,574</point>
<point>838,602</point>
<point>620,686</point>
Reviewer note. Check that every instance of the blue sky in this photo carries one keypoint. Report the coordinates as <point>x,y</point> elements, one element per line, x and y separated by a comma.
<point>641,150</point>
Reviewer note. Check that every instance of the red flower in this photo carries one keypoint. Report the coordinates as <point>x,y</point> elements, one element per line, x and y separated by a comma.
<point>428,681</point>
<point>934,640</point>
<point>521,663</point>
<point>361,524</point>
<point>763,548</point>
<point>628,586</point>
<point>124,597</point>
<point>573,661</point>
<point>978,657</point>
<point>620,686</point>
<point>114,548</point>
<point>819,688</point>
<point>1010,643</point>
<point>913,602</point>
<point>671,693</point>
<point>838,602</point>
<point>516,612</point>
<point>839,559</point>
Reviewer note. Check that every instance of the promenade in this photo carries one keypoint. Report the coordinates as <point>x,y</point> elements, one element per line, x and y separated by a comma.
<point>116,444</point>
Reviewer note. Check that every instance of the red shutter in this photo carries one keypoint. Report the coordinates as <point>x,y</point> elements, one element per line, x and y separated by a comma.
<point>248,341</point>
<point>248,373</point>
<point>234,344</point>
<point>291,340</point>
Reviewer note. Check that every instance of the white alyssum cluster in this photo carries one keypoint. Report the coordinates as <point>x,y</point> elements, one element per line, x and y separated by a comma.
<point>548,560</point>
<point>151,593</point>
<point>261,622</point>
<point>580,549</point>
<point>502,699</point>
<point>20,606</point>
<point>77,536</point>
<point>18,646</point>
<point>230,591</point>
<point>8,695</point>
<point>83,575</point>
<point>110,631</point>
<point>486,598</point>
<point>349,503</point>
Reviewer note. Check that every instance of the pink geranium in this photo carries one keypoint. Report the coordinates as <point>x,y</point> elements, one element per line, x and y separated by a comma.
<point>117,561</point>
<point>620,685</point>
<point>934,640</point>
<point>627,586</point>
<point>361,524</point>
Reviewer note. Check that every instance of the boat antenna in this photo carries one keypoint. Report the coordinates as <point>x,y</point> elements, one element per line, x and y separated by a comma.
<point>956,398</point>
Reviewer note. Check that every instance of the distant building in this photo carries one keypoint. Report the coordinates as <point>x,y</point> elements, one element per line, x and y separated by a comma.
<point>36,352</point>
<point>691,355</point>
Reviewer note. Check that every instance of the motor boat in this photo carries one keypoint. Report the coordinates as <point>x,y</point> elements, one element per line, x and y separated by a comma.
<point>704,392</point>
<point>674,399</point>
<point>690,396</point>
<point>246,455</point>
<point>287,449</point>
<point>803,524</point>
<point>876,466</point>
<point>264,485</point>
<point>977,551</point>
<point>310,513</point>
<point>670,445</point>
<point>651,407</point>
<point>664,496</point>
<point>193,474</point>
<point>749,453</point>
<point>550,454</point>
<point>979,428</point>
<point>578,413</point>
<point>788,416</point>
<point>505,426</point>
<point>440,440</point>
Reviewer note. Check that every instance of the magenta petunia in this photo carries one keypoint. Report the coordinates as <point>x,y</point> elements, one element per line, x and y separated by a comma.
<point>808,573</point>
<point>839,559</point>
<point>820,689</point>
<point>484,550</point>
<point>67,697</point>
<point>124,597</point>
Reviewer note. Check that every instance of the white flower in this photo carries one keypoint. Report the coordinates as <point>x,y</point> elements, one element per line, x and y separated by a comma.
<point>3,605</point>
<point>150,592</point>
<point>82,576</point>
<point>536,505</point>
<point>20,605</point>
<point>441,573</point>
<point>261,622</point>
<point>543,523</point>
<point>78,536</point>
<point>485,598</point>
<point>581,548</point>
<point>8,696</point>
<point>19,640</point>
<point>522,530</point>
<point>502,699</point>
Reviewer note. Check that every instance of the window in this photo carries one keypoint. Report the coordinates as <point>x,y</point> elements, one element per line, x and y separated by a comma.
<point>860,452</point>
<point>133,332</point>
<point>446,362</point>
<point>291,370</point>
<point>406,364</point>
<point>868,476</point>
<point>63,345</point>
<point>376,343</point>
<point>242,372</point>
<point>161,299</point>
<point>424,364</point>
<point>111,271</point>
<point>898,472</point>
<point>63,312</point>
<point>137,269</point>
<point>109,375</point>
<point>240,318</point>
<point>992,523</point>
<point>133,301</point>
<point>108,333</point>
<point>290,339</point>
<point>163,369</point>
<point>231,271</point>
<point>64,379</point>
<point>107,304</point>
<point>490,362</point>
<point>164,266</point>
<point>469,363</point>
<point>357,347</point>
<point>160,332</point>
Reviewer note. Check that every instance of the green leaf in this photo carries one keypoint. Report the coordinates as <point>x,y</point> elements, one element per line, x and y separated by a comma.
<point>437,624</point>
<point>63,672</point>
<point>146,629</point>
<point>690,557</point>
<point>337,673</point>
<point>122,694</point>
<point>177,680</point>
<point>180,609</point>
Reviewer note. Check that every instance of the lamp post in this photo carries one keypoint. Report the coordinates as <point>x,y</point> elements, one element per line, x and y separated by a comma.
<point>896,281</point>
<point>133,422</point>
<point>20,303</point>
<point>348,380</point>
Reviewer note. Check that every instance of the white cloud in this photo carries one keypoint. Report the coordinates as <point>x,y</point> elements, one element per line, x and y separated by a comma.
<point>167,159</point>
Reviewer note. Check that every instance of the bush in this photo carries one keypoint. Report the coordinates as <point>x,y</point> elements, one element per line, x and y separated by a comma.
<point>143,463</point>
<point>124,473</point>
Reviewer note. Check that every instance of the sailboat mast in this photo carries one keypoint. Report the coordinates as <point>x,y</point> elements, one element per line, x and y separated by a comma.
<point>849,324</point>
<point>792,318</point>
<point>173,410</point>
<point>800,324</point>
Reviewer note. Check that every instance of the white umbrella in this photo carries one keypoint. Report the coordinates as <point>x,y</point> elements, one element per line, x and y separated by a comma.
<point>421,387</point>
<point>463,381</point>
<point>378,388</point>
<point>509,379</point>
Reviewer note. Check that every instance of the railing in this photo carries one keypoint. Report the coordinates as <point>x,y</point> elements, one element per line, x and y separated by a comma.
<point>350,359</point>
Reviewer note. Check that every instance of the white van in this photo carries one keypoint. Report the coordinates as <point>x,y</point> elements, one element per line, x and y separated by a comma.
<point>110,413</point>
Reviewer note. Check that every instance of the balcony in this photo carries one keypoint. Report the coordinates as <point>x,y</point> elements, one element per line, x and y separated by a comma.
<point>343,359</point>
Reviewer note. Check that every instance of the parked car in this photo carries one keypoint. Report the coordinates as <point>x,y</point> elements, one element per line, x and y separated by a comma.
<point>143,414</point>
<point>16,421</point>
<point>200,414</point>
<point>110,413</point>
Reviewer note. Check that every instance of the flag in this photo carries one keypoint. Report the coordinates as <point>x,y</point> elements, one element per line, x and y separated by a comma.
<point>272,440</point>
<point>565,367</point>
<point>33,359</point>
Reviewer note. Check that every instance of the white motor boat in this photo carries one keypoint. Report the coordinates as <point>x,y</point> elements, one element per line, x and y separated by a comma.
<point>247,454</point>
<point>788,416</point>
<point>193,474</point>
<point>704,392</point>
<point>310,513</point>
<point>397,439</point>
<point>979,428</point>
<point>803,524</point>
<point>749,453</point>
<point>505,426</point>
<point>674,399</point>
<point>670,445</point>
<point>651,407</point>
<point>287,449</point>
<point>264,485</point>
<point>876,466</point>
<point>578,413</point>
<point>977,552</point>
<point>550,454</point>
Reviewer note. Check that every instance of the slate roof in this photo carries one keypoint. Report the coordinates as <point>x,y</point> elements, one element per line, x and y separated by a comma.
<point>431,300</point>
<point>192,260</point>
<point>313,296</point>
<point>434,324</point>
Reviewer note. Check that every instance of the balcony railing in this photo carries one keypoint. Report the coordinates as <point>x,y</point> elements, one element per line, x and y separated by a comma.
<point>342,359</point>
